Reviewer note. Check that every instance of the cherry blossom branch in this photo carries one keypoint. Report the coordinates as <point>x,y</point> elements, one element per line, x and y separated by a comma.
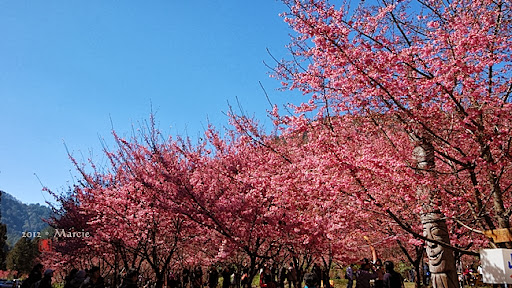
<point>397,24</point>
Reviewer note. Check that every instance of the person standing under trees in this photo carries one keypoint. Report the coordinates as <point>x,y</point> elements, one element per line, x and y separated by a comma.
<point>69,278</point>
<point>292,276</point>
<point>426,274</point>
<point>412,275</point>
<point>94,280</point>
<point>35,275</point>
<point>46,282</point>
<point>392,279</point>
<point>213,277</point>
<point>226,277</point>
<point>377,267</point>
<point>244,280</point>
<point>79,278</point>
<point>363,276</point>
<point>282,276</point>
<point>377,264</point>
<point>273,271</point>
<point>266,278</point>
<point>349,275</point>
<point>237,275</point>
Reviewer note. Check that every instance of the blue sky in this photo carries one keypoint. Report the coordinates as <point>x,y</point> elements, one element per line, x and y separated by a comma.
<point>67,68</point>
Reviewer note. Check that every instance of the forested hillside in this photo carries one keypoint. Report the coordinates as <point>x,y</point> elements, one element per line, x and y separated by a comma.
<point>21,217</point>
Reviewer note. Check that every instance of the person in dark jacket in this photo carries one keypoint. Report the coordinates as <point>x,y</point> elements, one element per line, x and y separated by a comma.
<point>35,275</point>
<point>94,280</point>
<point>364,275</point>
<point>349,275</point>
<point>79,278</point>
<point>46,282</point>
<point>392,279</point>
<point>226,277</point>
<point>318,273</point>
<point>213,277</point>
<point>69,278</point>
<point>282,276</point>
<point>292,276</point>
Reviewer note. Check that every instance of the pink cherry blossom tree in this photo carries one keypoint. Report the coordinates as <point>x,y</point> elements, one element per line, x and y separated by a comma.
<point>231,195</point>
<point>411,75</point>
<point>122,207</point>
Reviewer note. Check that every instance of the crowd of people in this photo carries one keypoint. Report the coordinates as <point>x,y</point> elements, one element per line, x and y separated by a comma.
<point>91,278</point>
<point>271,276</point>
<point>38,279</point>
<point>382,274</point>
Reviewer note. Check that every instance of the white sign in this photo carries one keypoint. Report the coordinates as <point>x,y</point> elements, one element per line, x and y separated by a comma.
<point>496,266</point>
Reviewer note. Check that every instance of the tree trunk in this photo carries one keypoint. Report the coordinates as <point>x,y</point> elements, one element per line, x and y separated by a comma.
<point>253,270</point>
<point>441,260</point>
<point>417,276</point>
<point>414,262</point>
<point>159,280</point>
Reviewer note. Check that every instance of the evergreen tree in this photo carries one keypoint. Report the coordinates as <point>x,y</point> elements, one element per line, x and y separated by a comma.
<point>21,257</point>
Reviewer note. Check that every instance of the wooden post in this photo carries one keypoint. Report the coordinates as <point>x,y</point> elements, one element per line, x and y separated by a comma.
<point>441,260</point>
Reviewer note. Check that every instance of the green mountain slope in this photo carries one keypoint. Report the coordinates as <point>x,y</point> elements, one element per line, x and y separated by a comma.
<point>21,217</point>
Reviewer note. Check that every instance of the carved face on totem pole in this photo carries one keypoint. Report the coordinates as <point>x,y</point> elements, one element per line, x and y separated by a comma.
<point>438,256</point>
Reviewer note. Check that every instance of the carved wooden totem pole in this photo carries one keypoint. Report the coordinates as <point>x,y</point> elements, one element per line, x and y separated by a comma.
<point>441,260</point>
